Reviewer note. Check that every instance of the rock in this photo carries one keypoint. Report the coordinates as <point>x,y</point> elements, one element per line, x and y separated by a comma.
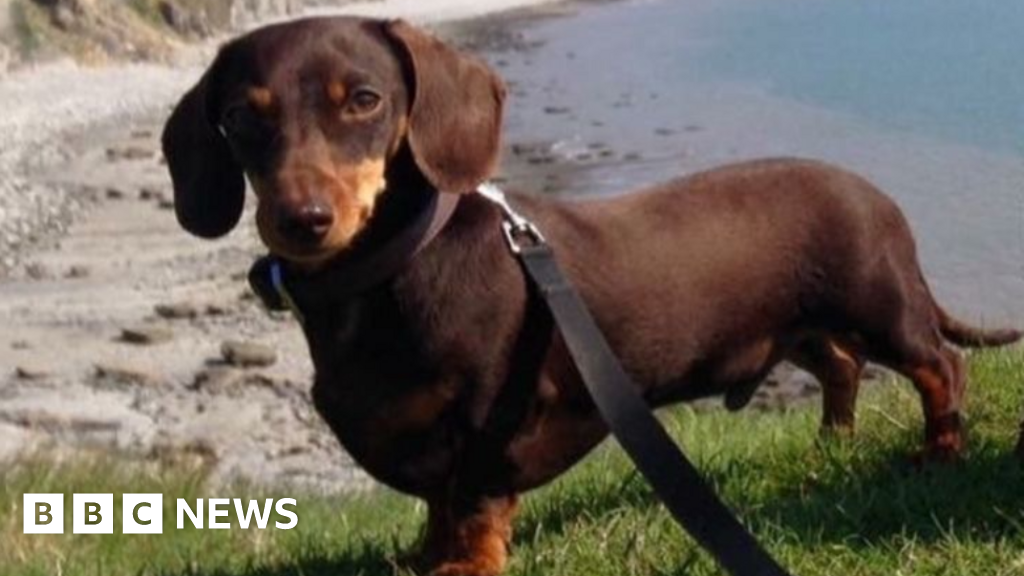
<point>664,131</point>
<point>38,271</point>
<point>541,160</point>
<point>183,21</point>
<point>62,15</point>
<point>216,379</point>
<point>247,354</point>
<point>115,194</point>
<point>165,204</point>
<point>177,311</point>
<point>147,193</point>
<point>553,110</point>
<point>32,373</point>
<point>216,310</point>
<point>230,381</point>
<point>5,59</point>
<point>89,193</point>
<point>631,156</point>
<point>56,423</point>
<point>78,271</point>
<point>117,375</point>
<point>21,345</point>
<point>129,153</point>
<point>192,454</point>
<point>146,335</point>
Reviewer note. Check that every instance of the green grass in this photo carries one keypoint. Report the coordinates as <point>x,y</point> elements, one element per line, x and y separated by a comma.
<point>837,507</point>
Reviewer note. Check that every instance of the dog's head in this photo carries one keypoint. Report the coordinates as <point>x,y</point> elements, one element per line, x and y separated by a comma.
<point>314,113</point>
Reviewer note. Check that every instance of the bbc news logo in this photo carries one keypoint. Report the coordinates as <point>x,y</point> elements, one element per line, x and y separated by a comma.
<point>143,513</point>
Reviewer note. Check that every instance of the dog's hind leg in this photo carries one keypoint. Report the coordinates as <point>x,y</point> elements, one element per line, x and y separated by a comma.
<point>940,380</point>
<point>838,368</point>
<point>908,340</point>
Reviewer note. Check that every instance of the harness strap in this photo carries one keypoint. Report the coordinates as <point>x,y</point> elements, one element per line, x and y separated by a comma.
<point>692,502</point>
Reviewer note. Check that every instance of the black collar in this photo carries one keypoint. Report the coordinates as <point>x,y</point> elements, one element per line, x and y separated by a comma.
<point>281,287</point>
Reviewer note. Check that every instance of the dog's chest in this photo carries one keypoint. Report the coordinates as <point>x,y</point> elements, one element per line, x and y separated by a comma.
<point>386,401</point>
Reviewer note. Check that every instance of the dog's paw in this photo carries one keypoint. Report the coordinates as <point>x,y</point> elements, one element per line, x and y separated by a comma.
<point>466,569</point>
<point>937,454</point>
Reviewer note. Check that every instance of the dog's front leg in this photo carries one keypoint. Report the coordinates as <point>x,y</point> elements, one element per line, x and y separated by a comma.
<point>470,538</point>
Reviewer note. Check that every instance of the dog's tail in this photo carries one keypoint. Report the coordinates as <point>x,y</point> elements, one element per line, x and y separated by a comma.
<point>968,336</point>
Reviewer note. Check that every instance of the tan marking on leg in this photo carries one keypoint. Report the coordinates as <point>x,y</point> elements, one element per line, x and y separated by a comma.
<point>481,541</point>
<point>940,394</point>
<point>841,353</point>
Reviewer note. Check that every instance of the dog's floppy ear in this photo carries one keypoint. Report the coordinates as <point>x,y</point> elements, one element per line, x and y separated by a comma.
<point>209,186</point>
<point>456,111</point>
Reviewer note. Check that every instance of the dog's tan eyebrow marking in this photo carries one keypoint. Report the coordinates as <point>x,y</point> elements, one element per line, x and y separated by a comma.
<point>262,99</point>
<point>336,92</point>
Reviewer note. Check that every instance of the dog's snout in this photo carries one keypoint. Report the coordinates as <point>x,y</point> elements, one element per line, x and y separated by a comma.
<point>306,224</point>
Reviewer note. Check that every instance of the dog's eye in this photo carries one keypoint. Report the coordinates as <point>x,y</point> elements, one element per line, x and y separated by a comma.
<point>363,101</point>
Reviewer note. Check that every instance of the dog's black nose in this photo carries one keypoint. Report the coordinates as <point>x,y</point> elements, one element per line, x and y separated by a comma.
<point>307,224</point>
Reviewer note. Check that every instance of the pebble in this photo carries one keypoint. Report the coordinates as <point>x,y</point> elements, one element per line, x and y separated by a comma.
<point>40,420</point>
<point>33,373</point>
<point>129,153</point>
<point>216,310</point>
<point>191,454</point>
<point>146,194</point>
<point>146,335</point>
<point>123,375</point>
<point>177,311</point>
<point>115,194</point>
<point>228,380</point>
<point>215,379</point>
<point>78,271</point>
<point>247,354</point>
<point>165,204</point>
<point>38,271</point>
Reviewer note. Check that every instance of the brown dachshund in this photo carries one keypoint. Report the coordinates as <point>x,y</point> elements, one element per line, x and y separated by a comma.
<point>437,368</point>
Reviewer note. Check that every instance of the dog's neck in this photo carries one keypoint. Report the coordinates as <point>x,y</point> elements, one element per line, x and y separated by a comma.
<point>409,214</point>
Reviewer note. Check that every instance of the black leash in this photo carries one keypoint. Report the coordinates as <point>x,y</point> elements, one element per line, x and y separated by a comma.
<point>674,478</point>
